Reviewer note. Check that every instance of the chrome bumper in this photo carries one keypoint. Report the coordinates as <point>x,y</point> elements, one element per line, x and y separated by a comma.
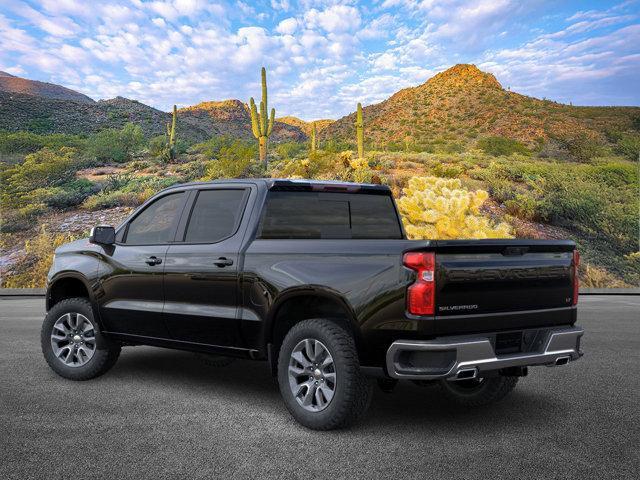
<point>463,357</point>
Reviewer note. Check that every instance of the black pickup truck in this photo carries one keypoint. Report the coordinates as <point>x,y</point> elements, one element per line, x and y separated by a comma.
<point>319,280</point>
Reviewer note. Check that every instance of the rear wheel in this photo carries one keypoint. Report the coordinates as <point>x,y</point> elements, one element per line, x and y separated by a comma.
<point>319,376</point>
<point>72,343</point>
<point>478,391</point>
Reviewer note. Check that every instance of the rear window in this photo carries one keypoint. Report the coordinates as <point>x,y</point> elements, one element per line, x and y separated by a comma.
<point>313,215</point>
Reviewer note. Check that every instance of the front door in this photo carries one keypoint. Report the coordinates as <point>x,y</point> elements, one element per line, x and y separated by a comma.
<point>201,269</point>
<point>132,294</point>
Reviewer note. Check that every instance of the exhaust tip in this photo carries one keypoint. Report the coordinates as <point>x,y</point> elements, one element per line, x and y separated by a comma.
<point>562,360</point>
<point>467,374</point>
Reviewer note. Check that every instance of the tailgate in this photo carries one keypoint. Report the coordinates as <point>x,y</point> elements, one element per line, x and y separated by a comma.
<point>508,283</point>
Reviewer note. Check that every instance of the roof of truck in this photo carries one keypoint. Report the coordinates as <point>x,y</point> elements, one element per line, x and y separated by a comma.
<point>299,184</point>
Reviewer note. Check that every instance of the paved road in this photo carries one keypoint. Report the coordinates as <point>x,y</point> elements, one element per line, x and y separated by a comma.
<point>163,414</point>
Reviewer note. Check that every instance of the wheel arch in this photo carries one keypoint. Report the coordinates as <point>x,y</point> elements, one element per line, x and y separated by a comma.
<point>70,285</point>
<point>303,303</point>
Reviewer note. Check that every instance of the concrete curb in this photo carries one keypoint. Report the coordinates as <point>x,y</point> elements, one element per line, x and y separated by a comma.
<point>22,292</point>
<point>40,292</point>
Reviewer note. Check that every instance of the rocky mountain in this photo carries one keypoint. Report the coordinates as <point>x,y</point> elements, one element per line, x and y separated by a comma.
<point>305,126</point>
<point>232,117</point>
<point>463,103</point>
<point>16,85</point>
<point>47,108</point>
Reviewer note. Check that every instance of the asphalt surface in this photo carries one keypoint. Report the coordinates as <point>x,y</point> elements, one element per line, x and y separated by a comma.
<point>164,414</point>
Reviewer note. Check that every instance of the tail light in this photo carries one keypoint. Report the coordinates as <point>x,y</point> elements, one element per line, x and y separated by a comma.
<point>576,281</point>
<point>421,295</point>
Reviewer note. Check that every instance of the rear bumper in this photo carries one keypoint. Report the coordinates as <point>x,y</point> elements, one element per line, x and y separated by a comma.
<point>460,357</point>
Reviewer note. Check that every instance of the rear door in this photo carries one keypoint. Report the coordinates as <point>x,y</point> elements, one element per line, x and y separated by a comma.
<point>201,269</point>
<point>131,298</point>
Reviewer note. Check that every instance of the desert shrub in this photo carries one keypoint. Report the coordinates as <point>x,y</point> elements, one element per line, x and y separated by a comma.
<point>28,142</point>
<point>438,208</point>
<point>45,168</point>
<point>582,146</point>
<point>157,145</point>
<point>212,147</point>
<point>498,146</point>
<point>523,206</point>
<point>188,172</point>
<point>114,199</point>
<point>23,218</point>
<point>597,200</point>
<point>336,146</point>
<point>594,277</point>
<point>629,146</point>
<point>116,145</point>
<point>39,255</point>
<point>446,170</point>
<point>289,150</point>
<point>40,125</point>
<point>67,195</point>
<point>232,160</point>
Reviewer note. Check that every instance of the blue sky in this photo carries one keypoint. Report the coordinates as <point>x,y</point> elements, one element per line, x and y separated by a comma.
<point>322,56</point>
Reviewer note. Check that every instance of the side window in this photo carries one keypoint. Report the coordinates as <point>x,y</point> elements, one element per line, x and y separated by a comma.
<point>215,215</point>
<point>154,225</point>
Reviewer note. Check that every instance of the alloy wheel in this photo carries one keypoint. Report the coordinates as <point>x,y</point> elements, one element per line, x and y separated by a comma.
<point>73,339</point>
<point>312,375</point>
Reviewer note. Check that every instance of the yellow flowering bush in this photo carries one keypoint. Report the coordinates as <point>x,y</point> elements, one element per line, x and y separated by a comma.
<point>440,208</point>
<point>40,250</point>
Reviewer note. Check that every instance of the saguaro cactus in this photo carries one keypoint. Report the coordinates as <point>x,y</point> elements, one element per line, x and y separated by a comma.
<point>314,137</point>
<point>260,124</point>
<point>171,135</point>
<point>360,132</point>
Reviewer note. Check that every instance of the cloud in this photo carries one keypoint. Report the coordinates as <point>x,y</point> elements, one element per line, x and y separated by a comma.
<point>322,56</point>
<point>335,19</point>
<point>57,26</point>
<point>287,26</point>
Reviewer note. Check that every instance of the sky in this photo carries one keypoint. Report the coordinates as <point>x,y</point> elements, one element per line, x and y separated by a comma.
<point>322,57</point>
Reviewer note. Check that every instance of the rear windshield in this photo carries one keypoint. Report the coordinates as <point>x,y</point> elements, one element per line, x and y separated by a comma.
<point>325,215</point>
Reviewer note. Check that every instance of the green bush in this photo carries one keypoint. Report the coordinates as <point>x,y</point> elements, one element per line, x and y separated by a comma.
<point>116,145</point>
<point>16,220</point>
<point>629,146</point>
<point>498,146</point>
<point>157,145</point>
<point>232,160</point>
<point>523,206</point>
<point>28,142</point>
<point>44,169</point>
<point>67,195</point>
<point>212,147</point>
<point>447,171</point>
<point>582,146</point>
<point>289,150</point>
<point>113,199</point>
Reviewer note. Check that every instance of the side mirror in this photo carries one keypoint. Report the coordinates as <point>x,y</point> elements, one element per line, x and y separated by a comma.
<point>103,235</point>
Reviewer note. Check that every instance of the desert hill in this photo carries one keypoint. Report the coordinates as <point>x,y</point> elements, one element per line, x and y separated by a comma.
<point>305,126</point>
<point>232,118</point>
<point>47,108</point>
<point>464,103</point>
<point>12,84</point>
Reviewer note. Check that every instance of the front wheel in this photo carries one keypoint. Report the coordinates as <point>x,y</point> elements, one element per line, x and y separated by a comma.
<point>72,343</point>
<point>478,391</point>
<point>319,376</point>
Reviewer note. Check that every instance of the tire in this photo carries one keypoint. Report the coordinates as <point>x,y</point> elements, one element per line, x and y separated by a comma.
<point>102,352</point>
<point>352,391</point>
<point>478,392</point>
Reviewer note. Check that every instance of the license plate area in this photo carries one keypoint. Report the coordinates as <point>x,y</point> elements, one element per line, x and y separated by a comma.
<point>509,342</point>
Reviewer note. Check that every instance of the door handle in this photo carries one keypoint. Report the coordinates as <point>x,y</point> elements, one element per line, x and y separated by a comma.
<point>223,262</point>
<point>151,261</point>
